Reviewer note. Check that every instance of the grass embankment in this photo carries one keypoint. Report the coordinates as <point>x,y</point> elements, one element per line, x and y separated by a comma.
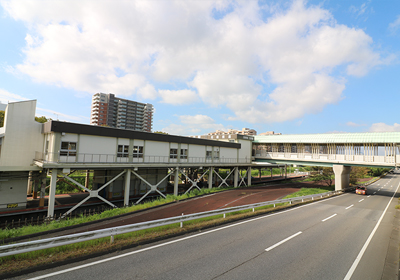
<point>31,229</point>
<point>64,253</point>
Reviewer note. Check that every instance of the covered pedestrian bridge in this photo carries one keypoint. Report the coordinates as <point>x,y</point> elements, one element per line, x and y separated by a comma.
<point>337,150</point>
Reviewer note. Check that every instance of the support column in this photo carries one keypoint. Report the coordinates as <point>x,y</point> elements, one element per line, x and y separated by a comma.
<point>42,188</point>
<point>285,171</point>
<point>176,181</point>
<point>342,176</point>
<point>248,176</point>
<point>87,179</point>
<point>35,187</point>
<point>236,177</point>
<point>271,173</point>
<point>30,181</point>
<point>210,177</point>
<point>52,193</point>
<point>127,186</point>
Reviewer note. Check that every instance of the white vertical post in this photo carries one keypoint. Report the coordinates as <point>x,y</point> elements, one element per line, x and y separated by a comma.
<point>236,177</point>
<point>52,193</point>
<point>248,176</point>
<point>176,181</point>
<point>127,186</point>
<point>210,177</point>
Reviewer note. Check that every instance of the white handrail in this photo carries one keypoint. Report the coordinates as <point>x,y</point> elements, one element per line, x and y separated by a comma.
<point>24,247</point>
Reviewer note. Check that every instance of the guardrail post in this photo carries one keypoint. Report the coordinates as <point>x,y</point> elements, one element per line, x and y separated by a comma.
<point>182,222</point>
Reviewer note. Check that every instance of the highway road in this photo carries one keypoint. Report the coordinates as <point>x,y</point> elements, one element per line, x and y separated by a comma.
<point>345,237</point>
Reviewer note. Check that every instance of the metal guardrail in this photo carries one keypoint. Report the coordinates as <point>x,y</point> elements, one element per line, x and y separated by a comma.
<point>24,247</point>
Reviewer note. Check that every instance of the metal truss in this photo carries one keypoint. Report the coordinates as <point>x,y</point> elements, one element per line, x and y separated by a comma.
<point>92,193</point>
<point>243,178</point>
<point>153,188</point>
<point>223,181</point>
<point>194,182</point>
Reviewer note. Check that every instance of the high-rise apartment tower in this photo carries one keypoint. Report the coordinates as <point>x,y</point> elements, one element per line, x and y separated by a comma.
<point>121,113</point>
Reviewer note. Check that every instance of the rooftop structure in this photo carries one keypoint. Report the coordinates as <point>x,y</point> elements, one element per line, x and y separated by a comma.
<point>244,131</point>
<point>108,110</point>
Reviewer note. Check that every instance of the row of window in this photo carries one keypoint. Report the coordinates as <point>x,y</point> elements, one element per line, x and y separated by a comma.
<point>173,153</point>
<point>69,149</point>
<point>123,151</point>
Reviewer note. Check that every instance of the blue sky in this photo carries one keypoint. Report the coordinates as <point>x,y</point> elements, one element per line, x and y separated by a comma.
<point>287,66</point>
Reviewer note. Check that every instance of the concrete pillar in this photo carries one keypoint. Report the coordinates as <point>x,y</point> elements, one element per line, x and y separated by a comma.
<point>42,188</point>
<point>52,193</point>
<point>35,187</point>
<point>127,186</point>
<point>342,176</point>
<point>176,181</point>
<point>87,179</point>
<point>249,176</point>
<point>30,181</point>
<point>210,177</point>
<point>236,177</point>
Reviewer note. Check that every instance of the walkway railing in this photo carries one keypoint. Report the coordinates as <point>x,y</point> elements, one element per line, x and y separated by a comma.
<point>329,157</point>
<point>113,158</point>
<point>24,247</point>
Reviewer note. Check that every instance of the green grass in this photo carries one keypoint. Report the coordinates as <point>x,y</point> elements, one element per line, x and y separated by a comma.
<point>309,191</point>
<point>31,229</point>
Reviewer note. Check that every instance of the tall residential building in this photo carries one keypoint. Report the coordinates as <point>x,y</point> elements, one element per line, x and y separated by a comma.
<point>121,113</point>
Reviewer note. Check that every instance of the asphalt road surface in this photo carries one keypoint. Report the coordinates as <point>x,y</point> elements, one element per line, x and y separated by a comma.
<point>345,237</point>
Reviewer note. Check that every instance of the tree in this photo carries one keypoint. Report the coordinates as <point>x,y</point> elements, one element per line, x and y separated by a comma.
<point>358,172</point>
<point>325,174</point>
<point>1,118</point>
<point>160,132</point>
<point>42,119</point>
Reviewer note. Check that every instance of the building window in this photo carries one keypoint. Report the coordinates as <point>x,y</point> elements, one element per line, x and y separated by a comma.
<point>208,154</point>
<point>123,151</point>
<point>137,151</point>
<point>173,153</point>
<point>68,149</point>
<point>216,154</point>
<point>184,153</point>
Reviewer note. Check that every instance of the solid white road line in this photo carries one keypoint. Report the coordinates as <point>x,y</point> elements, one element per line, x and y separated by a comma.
<point>361,200</point>
<point>364,248</point>
<point>349,206</point>
<point>171,242</point>
<point>329,217</point>
<point>283,241</point>
<point>369,196</point>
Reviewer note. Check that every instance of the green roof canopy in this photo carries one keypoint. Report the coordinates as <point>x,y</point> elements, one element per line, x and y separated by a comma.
<point>332,138</point>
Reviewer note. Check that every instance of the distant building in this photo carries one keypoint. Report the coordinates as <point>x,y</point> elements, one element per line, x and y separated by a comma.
<point>3,106</point>
<point>108,110</point>
<point>244,131</point>
<point>269,133</point>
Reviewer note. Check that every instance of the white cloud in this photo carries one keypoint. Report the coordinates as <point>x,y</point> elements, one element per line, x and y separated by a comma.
<point>393,26</point>
<point>382,127</point>
<point>57,115</point>
<point>353,124</point>
<point>197,119</point>
<point>6,97</point>
<point>263,69</point>
<point>178,97</point>
<point>194,125</point>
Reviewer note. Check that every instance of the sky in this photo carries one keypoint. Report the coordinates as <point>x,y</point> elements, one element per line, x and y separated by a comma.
<point>292,67</point>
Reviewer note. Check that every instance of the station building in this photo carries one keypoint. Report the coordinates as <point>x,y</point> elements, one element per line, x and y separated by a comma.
<point>124,163</point>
